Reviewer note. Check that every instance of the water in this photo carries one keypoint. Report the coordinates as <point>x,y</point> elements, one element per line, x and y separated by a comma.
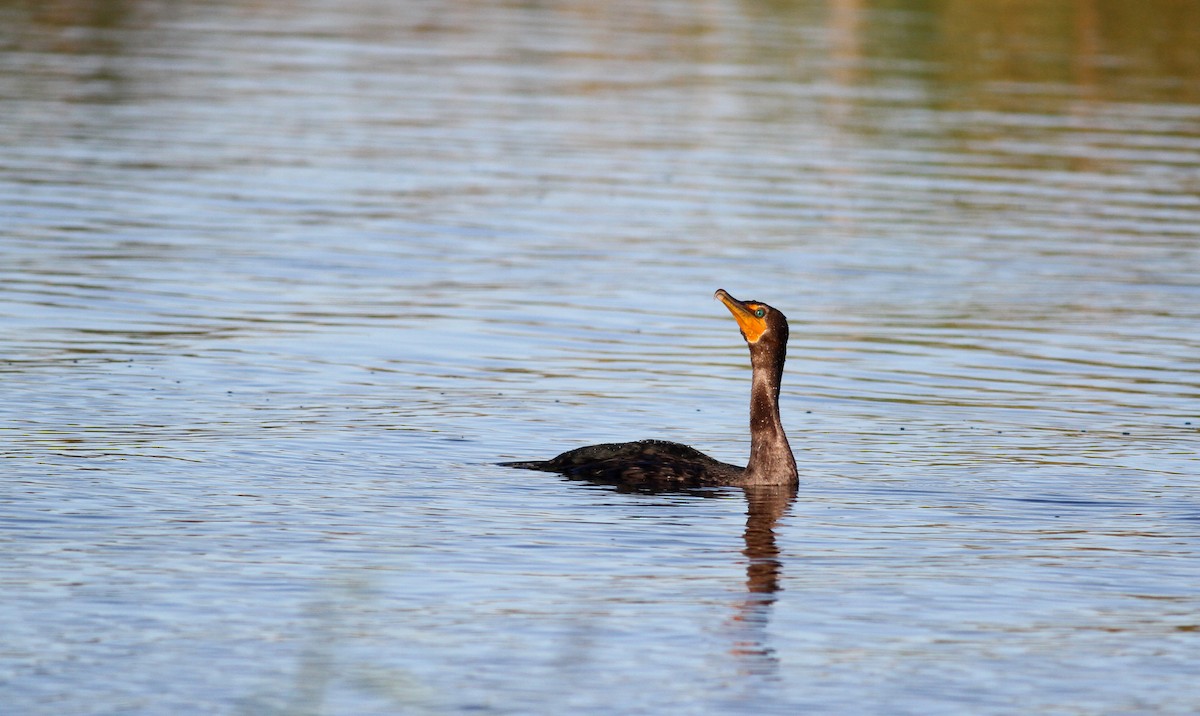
<point>281,282</point>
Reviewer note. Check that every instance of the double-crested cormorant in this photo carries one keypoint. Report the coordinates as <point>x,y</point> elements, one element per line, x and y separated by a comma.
<point>661,464</point>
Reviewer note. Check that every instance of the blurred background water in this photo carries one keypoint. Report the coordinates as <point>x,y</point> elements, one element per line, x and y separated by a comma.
<point>280,282</point>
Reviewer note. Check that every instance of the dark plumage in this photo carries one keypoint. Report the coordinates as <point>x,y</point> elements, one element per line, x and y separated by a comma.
<point>660,464</point>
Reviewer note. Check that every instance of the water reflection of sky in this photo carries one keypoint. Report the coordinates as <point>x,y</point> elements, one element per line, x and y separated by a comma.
<point>280,281</point>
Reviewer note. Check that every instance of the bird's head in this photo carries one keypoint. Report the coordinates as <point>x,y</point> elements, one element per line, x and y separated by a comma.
<point>761,324</point>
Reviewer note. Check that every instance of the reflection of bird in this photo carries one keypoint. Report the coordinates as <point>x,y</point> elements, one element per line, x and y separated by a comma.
<point>764,571</point>
<point>660,464</point>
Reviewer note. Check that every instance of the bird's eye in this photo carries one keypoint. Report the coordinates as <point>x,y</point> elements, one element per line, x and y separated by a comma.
<point>760,312</point>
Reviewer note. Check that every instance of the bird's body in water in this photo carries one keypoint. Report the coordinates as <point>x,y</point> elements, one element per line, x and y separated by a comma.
<point>659,464</point>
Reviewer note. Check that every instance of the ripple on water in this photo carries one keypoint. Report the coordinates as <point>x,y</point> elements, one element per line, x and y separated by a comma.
<point>281,283</point>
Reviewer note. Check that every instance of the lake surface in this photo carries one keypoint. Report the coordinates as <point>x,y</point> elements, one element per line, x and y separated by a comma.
<point>281,282</point>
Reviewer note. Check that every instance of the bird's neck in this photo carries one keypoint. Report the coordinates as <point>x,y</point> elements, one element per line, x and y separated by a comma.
<point>771,459</point>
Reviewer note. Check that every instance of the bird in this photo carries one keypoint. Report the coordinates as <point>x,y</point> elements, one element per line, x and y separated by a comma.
<point>660,464</point>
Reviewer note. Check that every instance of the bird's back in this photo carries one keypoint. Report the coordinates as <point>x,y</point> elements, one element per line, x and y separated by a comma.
<point>644,463</point>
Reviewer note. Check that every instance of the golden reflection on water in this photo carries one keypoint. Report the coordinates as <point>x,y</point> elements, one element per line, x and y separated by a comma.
<point>1105,49</point>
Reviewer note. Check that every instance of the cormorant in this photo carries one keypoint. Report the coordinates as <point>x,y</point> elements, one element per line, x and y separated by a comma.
<point>658,464</point>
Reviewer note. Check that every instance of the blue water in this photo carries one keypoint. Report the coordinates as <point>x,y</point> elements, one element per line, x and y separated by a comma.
<point>280,284</point>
